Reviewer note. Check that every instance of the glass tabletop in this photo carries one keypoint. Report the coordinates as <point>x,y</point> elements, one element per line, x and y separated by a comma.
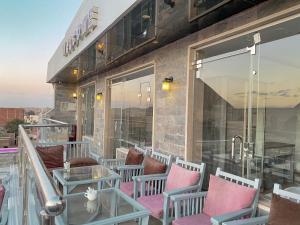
<point>88,173</point>
<point>109,204</point>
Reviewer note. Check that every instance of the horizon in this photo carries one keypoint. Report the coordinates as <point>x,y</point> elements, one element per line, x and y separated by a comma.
<point>27,47</point>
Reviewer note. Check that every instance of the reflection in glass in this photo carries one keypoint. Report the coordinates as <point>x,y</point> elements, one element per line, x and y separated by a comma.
<point>254,96</point>
<point>132,110</point>
<point>201,7</point>
<point>135,28</point>
<point>87,96</point>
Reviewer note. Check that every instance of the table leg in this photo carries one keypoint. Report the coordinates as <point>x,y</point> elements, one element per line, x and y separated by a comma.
<point>65,189</point>
<point>144,220</point>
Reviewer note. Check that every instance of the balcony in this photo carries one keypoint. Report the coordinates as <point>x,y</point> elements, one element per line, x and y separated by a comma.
<point>34,197</point>
<point>38,195</point>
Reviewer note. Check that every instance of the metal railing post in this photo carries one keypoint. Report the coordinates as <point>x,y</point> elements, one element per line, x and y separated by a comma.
<point>46,219</point>
<point>53,204</point>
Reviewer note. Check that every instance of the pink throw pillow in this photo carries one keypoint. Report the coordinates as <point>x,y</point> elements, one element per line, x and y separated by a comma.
<point>2,193</point>
<point>180,178</point>
<point>224,196</point>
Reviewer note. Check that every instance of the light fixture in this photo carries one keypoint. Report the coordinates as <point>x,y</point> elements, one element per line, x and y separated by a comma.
<point>171,3</point>
<point>99,96</point>
<point>74,95</point>
<point>75,72</point>
<point>144,34</point>
<point>146,17</point>
<point>100,47</point>
<point>166,84</point>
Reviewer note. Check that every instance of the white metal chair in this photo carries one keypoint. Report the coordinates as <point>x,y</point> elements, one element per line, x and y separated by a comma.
<point>263,220</point>
<point>190,206</point>
<point>4,207</point>
<point>153,190</point>
<point>115,163</point>
<point>128,172</point>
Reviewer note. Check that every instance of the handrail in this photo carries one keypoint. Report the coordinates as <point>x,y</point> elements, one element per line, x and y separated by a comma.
<point>55,121</point>
<point>54,204</point>
<point>45,125</point>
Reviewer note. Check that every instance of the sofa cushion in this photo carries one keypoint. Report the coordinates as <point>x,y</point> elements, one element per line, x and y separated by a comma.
<point>79,162</point>
<point>179,177</point>
<point>154,203</point>
<point>199,219</point>
<point>52,156</point>
<point>153,166</point>
<point>2,193</point>
<point>224,196</point>
<point>284,211</point>
<point>134,157</point>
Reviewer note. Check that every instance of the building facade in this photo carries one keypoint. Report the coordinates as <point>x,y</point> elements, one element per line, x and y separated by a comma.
<point>211,81</point>
<point>9,114</point>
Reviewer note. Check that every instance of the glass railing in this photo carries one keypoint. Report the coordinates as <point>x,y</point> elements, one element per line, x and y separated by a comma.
<point>37,199</point>
<point>50,131</point>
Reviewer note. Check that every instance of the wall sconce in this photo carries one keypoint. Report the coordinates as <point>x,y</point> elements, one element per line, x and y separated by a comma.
<point>99,96</point>
<point>74,95</point>
<point>171,3</point>
<point>100,47</point>
<point>166,84</point>
<point>75,72</point>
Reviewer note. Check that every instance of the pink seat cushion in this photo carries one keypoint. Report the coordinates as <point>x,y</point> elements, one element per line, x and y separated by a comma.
<point>2,193</point>
<point>224,196</point>
<point>179,177</point>
<point>154,203</point>
<point>199,219</point>
<point>127,188</point>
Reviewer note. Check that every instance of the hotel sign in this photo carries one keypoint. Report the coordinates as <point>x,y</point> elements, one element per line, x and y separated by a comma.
<point>87,26</point>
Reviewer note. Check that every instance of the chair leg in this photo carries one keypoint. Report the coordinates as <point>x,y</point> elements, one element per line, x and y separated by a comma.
<point>166,211</point>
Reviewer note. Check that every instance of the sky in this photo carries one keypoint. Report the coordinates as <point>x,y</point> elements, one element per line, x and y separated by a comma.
<point>30,32</point>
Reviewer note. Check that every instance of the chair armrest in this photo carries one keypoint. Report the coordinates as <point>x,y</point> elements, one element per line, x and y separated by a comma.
<point>218,220</point>
<point>181,190</point>
<point>252,221</point>
<point>113,162</point>
<point>182,197</point>
<point>95,156</point>
<point>151,177</point>
<point>130,167</point>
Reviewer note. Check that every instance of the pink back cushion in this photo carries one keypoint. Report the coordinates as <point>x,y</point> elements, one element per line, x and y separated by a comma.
<point>224,196</point>
<point>2,193</point>
<point>179,177</point>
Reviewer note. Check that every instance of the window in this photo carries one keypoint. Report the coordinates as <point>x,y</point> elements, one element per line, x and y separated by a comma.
<point>87,110</point>
<point>200,8</point>
<point>254,99</point>
<point>132,110</point>
<point>137,27</point>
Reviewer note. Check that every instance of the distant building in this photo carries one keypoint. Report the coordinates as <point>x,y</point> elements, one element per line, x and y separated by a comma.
<point>32,119</point>
<point>9,114</point>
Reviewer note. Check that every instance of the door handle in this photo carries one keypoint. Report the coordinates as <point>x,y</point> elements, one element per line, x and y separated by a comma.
<point>236,137</point>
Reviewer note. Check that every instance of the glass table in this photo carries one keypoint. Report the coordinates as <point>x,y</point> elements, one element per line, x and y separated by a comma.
<point>99,174</point>
<point>110,207</point>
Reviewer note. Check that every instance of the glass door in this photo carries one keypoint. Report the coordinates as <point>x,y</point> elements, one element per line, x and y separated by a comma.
<point>223,110</point>
<point>246,107</point>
